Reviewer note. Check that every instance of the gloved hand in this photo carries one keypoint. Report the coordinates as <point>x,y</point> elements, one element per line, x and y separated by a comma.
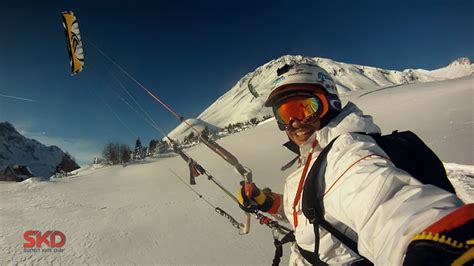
<point>449,241</point>
<point>263,200</point>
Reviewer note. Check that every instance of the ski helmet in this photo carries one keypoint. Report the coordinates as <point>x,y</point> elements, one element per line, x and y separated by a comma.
<point>289,76</point>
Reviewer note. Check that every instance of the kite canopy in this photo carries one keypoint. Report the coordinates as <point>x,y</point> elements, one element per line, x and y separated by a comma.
<point>74,44</point>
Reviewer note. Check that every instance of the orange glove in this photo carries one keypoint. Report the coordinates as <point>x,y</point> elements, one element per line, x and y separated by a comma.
<point>263,200</point>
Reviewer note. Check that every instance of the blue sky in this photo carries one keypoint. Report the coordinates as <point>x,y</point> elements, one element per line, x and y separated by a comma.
<point>191,52</point>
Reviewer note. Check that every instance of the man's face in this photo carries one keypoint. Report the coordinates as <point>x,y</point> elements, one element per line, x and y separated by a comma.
<point>299,116</point>
<point>300,131</point>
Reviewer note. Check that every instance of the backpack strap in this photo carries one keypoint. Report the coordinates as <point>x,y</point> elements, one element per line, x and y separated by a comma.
<point>313,207</point>
<point>290,145</point>
<point>290,237</point>
<point>290,163</point>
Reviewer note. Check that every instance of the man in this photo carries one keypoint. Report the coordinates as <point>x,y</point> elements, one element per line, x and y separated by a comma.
<point>369,199</point>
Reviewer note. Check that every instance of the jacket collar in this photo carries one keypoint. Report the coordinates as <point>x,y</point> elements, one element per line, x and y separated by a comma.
<point>351,119</point>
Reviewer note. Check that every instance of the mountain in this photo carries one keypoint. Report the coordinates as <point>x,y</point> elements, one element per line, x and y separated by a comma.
<point>17,149</point>
<point>239,104</point>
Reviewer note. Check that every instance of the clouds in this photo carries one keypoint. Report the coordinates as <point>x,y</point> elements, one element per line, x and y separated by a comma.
<point>16,98</point>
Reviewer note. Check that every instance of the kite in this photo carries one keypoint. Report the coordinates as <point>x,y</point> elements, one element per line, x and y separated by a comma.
<point>74,44</point>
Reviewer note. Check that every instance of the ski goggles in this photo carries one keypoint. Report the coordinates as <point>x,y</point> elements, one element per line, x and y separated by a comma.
<point>300,108</point>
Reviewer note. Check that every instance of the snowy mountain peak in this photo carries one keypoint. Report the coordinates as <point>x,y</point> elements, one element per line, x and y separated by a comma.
<point>7,129</point>
<point>17,149</point>
<point>245,99</point>
<point>461,61</point>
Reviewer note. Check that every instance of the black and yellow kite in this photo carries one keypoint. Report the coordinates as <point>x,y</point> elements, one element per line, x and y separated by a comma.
<point>74,44</point>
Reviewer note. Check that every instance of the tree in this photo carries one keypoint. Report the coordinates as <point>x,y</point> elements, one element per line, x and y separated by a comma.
<point>143,153</point>
<point>152,146</point>
<point>125,153</point>
<point>254,121</point>
<point>138,149</point>
<point>116,153</point>
<point>111,153</point>
<point>162,146</point>
<point>138,143</point>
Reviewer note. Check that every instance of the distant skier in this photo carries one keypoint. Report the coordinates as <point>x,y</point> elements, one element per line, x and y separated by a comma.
<point>366,197</point>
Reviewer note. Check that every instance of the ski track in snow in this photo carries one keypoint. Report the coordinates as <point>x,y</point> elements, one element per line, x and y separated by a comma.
<point>102,228</point>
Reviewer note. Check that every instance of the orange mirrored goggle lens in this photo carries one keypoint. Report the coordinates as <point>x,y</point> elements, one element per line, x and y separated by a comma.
<point>297,108</point>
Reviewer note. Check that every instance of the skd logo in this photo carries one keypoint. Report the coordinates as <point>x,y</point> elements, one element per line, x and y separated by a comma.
<point>52,239</point>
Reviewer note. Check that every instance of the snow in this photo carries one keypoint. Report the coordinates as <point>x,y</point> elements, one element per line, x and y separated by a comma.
<point>143,214</point>
<point>239,105</point>
<point>439,112</point>
<point>461,176</point>
<point>183,130</point>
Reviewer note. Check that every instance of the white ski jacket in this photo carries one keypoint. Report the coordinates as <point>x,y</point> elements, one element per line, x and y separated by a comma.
<point>371,200</point>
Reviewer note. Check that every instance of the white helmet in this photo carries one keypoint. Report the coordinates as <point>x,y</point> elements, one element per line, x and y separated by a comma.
<point>299,74</point>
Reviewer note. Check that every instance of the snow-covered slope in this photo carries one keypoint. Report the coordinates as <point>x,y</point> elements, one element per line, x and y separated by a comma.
<point>440,112</point>
<point>142,214</point>
<point>184,130</point>
<point>17,149</point>
<point>239,104</point>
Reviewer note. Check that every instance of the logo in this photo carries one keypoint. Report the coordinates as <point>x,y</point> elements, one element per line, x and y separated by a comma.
<point>278,80</point>
<point>335,103</point>
<point>49,241</point>
<point>323,77</point>
<point>300,73</point>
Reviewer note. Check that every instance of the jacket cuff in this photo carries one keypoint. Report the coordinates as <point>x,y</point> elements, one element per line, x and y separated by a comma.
<point>276,203</point>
